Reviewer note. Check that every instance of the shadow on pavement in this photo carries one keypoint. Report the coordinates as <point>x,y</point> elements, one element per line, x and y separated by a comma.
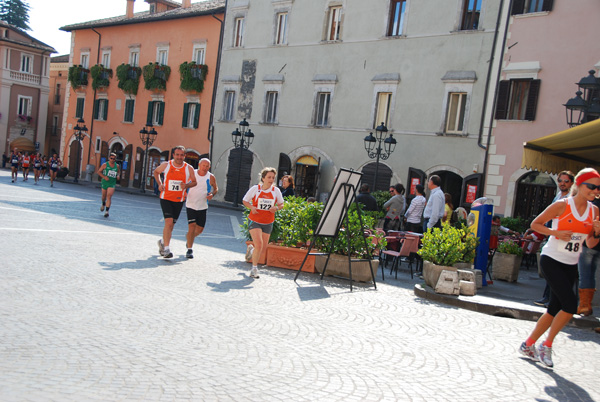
<point>226,286</point>
<point>564,390</point>
<point>150,262</point>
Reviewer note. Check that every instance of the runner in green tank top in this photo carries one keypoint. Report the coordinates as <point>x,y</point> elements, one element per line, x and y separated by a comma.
<point>109,172</point>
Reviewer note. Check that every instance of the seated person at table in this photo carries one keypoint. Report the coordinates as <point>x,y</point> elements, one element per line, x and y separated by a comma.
<point>534,236</point>
<point>496,222</point>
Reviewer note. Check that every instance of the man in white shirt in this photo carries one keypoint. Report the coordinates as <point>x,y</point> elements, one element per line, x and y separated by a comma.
<point>434,210</point>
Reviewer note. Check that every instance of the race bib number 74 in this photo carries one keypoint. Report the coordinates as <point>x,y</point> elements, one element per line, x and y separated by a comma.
<point>175,185</point>
<point>264,204</point>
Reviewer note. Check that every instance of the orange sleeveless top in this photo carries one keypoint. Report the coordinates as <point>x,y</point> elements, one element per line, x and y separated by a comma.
<point>174,180</point>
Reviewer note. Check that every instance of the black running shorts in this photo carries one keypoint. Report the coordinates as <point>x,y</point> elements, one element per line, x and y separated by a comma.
<point>171,209</point>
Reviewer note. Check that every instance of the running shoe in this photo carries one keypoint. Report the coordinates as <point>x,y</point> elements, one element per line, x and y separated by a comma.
<point>106,214</point>
<point>249,252</point>
<point>102,208</point>
<point>529,351</point>
<point>168,254</point>
<point>254,273</point>
<point>189,253</point>
<point>161,248</point>
<point>545,354</point>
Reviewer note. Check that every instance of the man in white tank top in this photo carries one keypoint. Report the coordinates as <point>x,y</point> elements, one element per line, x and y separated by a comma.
<point>197,203</point>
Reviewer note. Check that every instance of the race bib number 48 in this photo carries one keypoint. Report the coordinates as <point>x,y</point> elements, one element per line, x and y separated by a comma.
<point>175,185</point>
<point>264,204</point>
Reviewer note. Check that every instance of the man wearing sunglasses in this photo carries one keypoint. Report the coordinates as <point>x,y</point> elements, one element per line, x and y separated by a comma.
<point>565,181</point>
<point>109,171</point>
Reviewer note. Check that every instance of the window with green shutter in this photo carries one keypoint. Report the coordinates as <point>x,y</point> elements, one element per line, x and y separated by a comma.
<point>191,115</point>
<point>129,108</point>
<point>100,109</point>
<point>79,107</point>
<point>156,112</point>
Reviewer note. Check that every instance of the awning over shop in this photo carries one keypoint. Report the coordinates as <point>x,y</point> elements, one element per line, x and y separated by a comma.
<point>572,149</point>
<point>23,144</point>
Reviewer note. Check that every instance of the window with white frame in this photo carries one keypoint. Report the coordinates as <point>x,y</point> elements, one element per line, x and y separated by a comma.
<point>334,23</point>
<point>229,106</point>
<point>281,31</point>
<point>100,109</point>
<point>191,115</point>
<point>156,110</point>
<point>24,105</point>
<point>98,146</point>
<point>238,32</point>
<point>134,57</point>
<point>162,55</point>
<point>322,109</point>
<point>397,14</point>
<point>85,60</point>
<point>26,63</point>
<point>199,52</point>
<point>106,58</point>
<point>455,116</point>
<point>382,114</point>
<point>271,107</point>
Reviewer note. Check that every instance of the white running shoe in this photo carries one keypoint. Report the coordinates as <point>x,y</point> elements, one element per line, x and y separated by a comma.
<point>545,354</point>
<point>161,248</point>
<point>254,273</point>
<point>529,351</point>
<point>249,252</point>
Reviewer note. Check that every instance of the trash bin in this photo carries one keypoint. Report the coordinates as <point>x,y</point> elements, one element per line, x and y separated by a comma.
<point>89,171</point>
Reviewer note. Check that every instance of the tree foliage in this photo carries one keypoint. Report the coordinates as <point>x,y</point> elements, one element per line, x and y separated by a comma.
<point>15,12</point>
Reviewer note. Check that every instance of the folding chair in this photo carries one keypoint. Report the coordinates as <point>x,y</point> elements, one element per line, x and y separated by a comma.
<point>410,245</point>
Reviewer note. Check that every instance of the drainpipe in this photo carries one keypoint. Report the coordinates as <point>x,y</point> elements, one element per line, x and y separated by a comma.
<point>93,99</point>
<point>491,122</point>
<point>211,128</point>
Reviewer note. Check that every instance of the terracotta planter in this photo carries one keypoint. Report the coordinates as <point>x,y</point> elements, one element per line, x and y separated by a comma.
<point>289,258</point>
<point>338,266</point>
<point>263,257</point>
<point>432,272</point>
<point>505,267</point>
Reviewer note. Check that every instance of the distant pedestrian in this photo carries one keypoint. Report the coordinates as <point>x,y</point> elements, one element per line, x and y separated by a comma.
<point>394,208</point>
<point>14,165</point>
<point>197,203</point>
<point>44,166</point>
<point>54,163</point>
<point>25,163</point>
<point>263,200</point>
<point>37,167</point>
<point>178,176</point>
<point>574,220</point>
<point>364,197</point>
<point>448,208</point>
<point>434,209</point>
<point>108,172</point>
<point>414,212</point>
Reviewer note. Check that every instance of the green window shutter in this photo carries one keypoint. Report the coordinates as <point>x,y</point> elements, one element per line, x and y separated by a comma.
<point>105,109</point>
<point>95,111</point>
<point>161,113</point>
<point>186,112</point>
<point>149,116</point>
<point>128,111</point>
<point>79,108</point>
<point>197,116</point>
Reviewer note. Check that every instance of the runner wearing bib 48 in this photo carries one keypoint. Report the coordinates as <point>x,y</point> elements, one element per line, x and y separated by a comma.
<point>574,220</point>
<point>109,171</point>
<point>178,176</point>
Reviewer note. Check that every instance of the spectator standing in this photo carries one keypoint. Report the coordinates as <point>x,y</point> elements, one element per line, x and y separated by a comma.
<point>287,186</point>
<point>394,207</point>
<point>415,210</point>
<point>364,197</point>
<point>434,210</point>
<point>448,208</point>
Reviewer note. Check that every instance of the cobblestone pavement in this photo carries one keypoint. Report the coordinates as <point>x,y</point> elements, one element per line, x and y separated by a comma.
<point>89,312</point>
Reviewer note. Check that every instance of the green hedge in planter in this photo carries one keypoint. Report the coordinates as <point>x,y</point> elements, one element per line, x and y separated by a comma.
<point>192,76</point>
<point>129,78</point>
<point>510,247</point>
<point>156,76</point>
<point>100,76</point>
<point>448,245</point>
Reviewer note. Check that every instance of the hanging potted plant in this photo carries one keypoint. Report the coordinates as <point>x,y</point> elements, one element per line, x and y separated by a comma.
<point>100,76</point>
<point>129,78</point>
<point>156,76</point>
<point>192,76</point>
<point>78,76</point>
<point>507,261</point>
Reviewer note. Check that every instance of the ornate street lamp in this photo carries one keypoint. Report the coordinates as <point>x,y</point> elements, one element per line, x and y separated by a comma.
<point>242,138</point>
<point>79,131</point>
<point>374,150</point>
<point>147,135</point>
<point>582,109</point>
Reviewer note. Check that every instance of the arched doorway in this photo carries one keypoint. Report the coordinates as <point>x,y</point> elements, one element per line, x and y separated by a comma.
<point>384,176</point>
<point>192,158</point>
<point>74,151</point>
<point>307,176</point>
<point>452,184</point>
<point>535,191</point>
<point>117,148</point>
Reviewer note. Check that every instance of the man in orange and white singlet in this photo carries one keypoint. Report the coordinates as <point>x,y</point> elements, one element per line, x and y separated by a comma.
<point>26,162</point>
<point>263,200</point>
<point>178,176</point>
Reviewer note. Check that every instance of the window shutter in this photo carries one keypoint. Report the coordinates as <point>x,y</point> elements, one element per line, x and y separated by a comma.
<point>79,109</point>
<point>547,6</point>
<point>197,116</point>
<point>532,98</point>
<point>95,111</point>
<point>518,7</point>
<point>105,109</point>
<point>186,112</point>
<point>502,101</point>
<point>149,116</point>
<point>129,103</point>
<point>161,112</point>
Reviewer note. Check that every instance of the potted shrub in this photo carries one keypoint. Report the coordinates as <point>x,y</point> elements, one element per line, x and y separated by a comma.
<point>156,76</point>
<point>129,78</point>
<point>442,249</point>
<point>100,76</point>
<point>507,261</point>
<point>78,76</point>
<point>192,76</point>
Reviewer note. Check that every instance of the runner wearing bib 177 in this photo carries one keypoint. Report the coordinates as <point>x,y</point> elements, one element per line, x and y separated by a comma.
<point>109,171</point>
<point>574,220</point>
<point>263,200</point>
<point>178,176</point>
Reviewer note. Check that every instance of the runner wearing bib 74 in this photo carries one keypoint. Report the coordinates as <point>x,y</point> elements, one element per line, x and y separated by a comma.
<point>574,220</point>
<point>177,177</point>
<point>263,200</point>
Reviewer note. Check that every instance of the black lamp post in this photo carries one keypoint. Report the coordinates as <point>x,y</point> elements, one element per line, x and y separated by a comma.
<point>147,135</point>
<point>79,131</point>
<point>582,109</point>
<point>374,150</point>
<point>242,138</point>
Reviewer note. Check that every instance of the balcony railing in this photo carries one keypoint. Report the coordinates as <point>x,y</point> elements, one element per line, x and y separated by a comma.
<point>25,77</point>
